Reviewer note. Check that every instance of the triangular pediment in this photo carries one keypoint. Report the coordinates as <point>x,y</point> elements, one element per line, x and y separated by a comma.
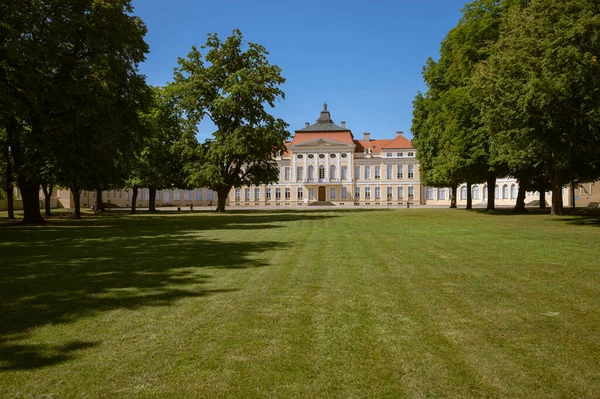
<point>322,142</point>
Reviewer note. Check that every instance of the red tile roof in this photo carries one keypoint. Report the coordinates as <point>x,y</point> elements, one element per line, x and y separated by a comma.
<point>374,145</point>
<point>400,142</point>
<point>302,137</point>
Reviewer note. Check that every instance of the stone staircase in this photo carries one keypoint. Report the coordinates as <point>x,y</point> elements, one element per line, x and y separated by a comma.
<point>321,203</point>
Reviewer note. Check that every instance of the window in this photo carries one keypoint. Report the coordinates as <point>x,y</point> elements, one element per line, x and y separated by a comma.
<point>310,156</point>
<point>497,192</point>
<point>94,194</point>
<point>505,191</point>
<point>311,172</point>
<point>126,195</point>
<point>441,193</point>
<point>332,172</point>
<point>389,154</point>
<point>377,172</point>
<point>210,195</point>
<point>390,172</point>
<point>311,192</point>
<point>377,192</point>
<point>187,195</point>
<point>357,172</point>
<point>400,192</point>
<point>269,193</point>
<point>513,191</point>
<point>321,156</point>
<point>399,154</point>
<point>199,195</point>
<point>411,171</point>
<point>321,172</point>
<point>256,193</point>
<point>400,172</point>
<point>120,194</point>
<point>114,194</point>
<point>390,193</point>
<point>278,193</point>
<point>429,193</point>
<point>367,172</point>
<point>344,172</point>
<point>475,191</point>
<point>288,193</point>
<point>287,173</point>
<point>107,194</point>
<point>247,193</point>
<point>485,192</point>
<point>299,173</point>
<point>300,156</point>
<point>344,155</point>
<point>300,193</point>
<point>237,194</point>
<point>367,192</point>
<point>176,195</point>
<point>356,192</point>
<point>411,192</point>
<point>463,192</point>
<point>146,194</point>
<point>332,155</point>
<point>411,154</point>
<point>332,192</point>
<point>344,192</point>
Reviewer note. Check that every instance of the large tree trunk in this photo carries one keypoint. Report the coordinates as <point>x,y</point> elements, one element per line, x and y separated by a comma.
<point>134,196</point>
<point>47,189</point>
<point>491,187</point>
<point>30,194</point>
<point>222,193</point>
<point>152,203</point>
<point>469,196</point>
<point>520,205</point>
<point>99,199</point>
<point>76,192</point>
<point>557,202</point>
<point>542,191</point>
<point>453,196</point>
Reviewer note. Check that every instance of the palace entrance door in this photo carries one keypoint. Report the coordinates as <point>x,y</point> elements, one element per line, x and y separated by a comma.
<point>321,193</point>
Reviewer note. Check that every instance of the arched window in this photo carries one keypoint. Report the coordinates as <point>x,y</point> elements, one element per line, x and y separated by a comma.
<point>311,172</point>
<point>513,191</point>
<point>332,171</point>
<point>505,191</point>
<point>485,192</point>
<point>463,192</point>
<point>475,191</point>
<point>497,192</point>
<point>321,172</point>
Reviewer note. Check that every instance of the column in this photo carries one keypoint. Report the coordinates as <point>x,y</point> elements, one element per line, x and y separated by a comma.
<point>326,167</point>
<point>350,167</point>
<point>338,165</point>
<point>305,171</point>
<point>293,171</point>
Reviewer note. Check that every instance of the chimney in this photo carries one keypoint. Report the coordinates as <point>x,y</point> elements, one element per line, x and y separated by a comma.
<point>344,124</point>
<point>367,137</point>
<point>306,124</point>
<point>398,134</point>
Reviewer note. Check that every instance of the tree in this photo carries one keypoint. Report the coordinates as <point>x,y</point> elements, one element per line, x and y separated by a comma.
<point>452,124</point>
<point>232,89</point>
<point>73,91</point>
<point>168,149</point>
<point>539,90</point>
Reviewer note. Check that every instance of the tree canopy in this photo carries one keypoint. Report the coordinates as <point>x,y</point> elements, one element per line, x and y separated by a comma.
<point>231,84</point>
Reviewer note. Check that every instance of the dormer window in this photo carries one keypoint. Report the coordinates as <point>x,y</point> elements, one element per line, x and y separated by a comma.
<point>389,155</point>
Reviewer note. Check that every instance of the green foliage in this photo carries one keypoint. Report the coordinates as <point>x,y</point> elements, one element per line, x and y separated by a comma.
<point>539,91</point>
<point>231,85</point>
<point>71,91</point>
<point>169,147</point>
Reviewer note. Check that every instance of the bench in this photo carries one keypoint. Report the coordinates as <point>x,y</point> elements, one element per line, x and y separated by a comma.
<point>593,204</point>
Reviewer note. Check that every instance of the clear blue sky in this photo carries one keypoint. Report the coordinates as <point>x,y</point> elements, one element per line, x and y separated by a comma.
<point>364,58</point>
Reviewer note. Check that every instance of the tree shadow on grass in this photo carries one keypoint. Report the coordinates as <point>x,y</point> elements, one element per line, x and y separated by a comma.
<point>66,270</point>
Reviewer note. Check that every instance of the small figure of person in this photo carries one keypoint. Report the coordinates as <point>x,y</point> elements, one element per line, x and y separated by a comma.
<point>95,207</point>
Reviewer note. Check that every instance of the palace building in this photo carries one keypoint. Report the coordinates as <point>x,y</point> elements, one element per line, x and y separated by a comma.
<point>324,164</point>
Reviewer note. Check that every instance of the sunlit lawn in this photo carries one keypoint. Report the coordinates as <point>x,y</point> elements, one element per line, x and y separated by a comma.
<point>321,304</point>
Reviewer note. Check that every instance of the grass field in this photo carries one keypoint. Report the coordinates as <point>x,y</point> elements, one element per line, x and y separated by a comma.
<point>322,304</point>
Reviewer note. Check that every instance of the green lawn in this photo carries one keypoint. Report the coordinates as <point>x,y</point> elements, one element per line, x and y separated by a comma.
<point>323,304</point>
